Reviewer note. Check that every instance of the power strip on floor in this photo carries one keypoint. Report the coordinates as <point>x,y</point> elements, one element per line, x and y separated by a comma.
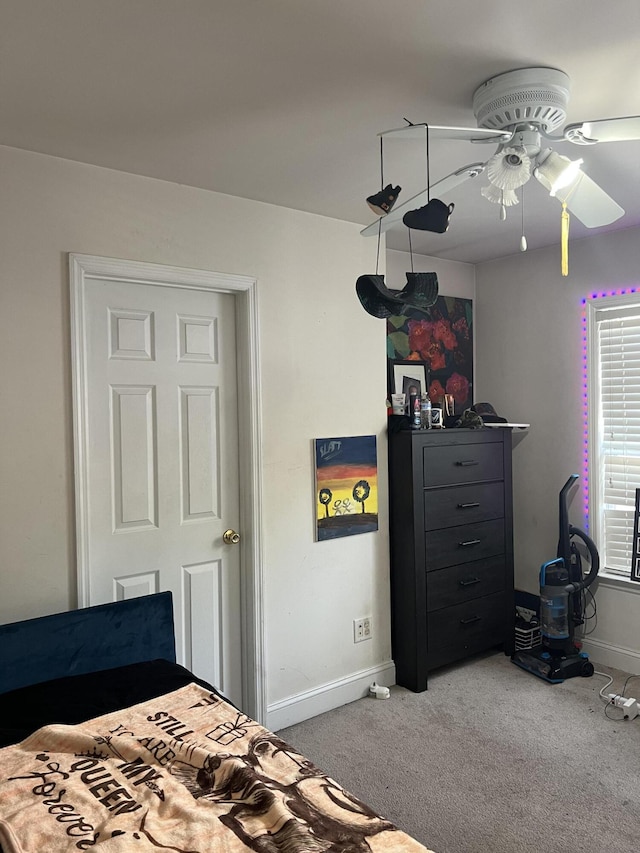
<point>629,706</point>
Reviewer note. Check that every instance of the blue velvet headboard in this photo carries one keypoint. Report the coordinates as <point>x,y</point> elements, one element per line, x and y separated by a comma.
<point>87,640</point>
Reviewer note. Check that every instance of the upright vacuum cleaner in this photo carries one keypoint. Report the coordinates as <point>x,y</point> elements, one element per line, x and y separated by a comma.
<point>562,582</point>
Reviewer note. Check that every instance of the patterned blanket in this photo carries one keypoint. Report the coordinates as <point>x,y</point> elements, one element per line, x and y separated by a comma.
<point>184,772</point>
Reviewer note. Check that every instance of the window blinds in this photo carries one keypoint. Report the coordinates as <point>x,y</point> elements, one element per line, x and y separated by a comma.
<point>618,432</point>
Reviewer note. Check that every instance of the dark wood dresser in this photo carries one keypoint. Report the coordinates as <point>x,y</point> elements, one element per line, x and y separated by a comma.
<point>451,530</point>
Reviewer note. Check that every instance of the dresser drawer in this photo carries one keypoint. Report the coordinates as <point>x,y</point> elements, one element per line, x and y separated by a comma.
<point>454,545</point>
<point>455,632</point>
<point>463,505</point>
<point>452,464</point>
<point>459,584</point>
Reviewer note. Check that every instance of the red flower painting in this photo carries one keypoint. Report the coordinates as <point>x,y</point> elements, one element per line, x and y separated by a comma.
<point>458,385</point>
<point>442,340</point>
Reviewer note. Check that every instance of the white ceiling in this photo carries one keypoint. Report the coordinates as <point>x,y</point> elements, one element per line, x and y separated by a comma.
<point>281,100</point>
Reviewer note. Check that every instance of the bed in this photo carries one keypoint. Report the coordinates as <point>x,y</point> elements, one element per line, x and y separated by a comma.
<point>107,742</point>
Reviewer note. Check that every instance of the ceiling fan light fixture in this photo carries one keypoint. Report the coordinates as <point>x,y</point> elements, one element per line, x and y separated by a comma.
<point>555,171</point>
<point>509,168</point>
<point>507,198</point>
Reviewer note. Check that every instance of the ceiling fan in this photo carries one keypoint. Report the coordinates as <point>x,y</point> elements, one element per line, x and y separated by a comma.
<point>519,111</point>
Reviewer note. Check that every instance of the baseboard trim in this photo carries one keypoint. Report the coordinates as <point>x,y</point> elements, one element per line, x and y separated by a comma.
<point>326,697</point>
<point>627,660</point>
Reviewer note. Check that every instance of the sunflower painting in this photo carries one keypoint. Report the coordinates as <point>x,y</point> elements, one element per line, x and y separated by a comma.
<point>442,340</point>
<point>346,486</point>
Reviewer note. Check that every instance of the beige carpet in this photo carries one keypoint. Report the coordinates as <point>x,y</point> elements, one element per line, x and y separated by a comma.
<point>490,758</point>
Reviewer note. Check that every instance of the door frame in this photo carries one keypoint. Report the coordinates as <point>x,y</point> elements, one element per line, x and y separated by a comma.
<point>83,268</point>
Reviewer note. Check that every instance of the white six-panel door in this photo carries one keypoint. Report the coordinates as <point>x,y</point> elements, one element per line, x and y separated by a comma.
<point>162,470</point>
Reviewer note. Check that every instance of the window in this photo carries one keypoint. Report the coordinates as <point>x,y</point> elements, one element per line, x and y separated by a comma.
<point>613,391</point>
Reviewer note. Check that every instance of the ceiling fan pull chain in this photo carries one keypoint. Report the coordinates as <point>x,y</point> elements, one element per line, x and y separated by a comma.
<point>523,239</point>
<point>381,165</point>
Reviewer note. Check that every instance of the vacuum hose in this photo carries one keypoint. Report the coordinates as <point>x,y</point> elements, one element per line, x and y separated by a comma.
<point>594,557</point>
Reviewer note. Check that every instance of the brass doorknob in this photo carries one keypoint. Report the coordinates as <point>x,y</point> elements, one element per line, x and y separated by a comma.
<point>231,537</point>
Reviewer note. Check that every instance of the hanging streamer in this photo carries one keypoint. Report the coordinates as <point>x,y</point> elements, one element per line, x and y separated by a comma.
<point>427,159</point>
<point>564,238</point>
<point>564,227</point>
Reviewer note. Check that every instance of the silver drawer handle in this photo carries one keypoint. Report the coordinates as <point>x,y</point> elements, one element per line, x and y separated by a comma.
<point>469,581</point>
<point>469,543</point>
<point>466,462</point>
<point>468,506</point>
<point>470,620</point>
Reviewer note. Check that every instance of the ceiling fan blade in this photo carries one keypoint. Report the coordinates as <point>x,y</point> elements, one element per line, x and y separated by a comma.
<point>604,130</point>
<point>589,202</point>
<point>441,187</point>
<point>466,134</point>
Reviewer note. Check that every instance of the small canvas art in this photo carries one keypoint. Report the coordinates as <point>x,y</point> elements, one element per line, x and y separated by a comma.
<point>346,486</point>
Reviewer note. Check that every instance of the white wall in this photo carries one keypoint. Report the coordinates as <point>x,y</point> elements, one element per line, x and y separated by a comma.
<point>323,374</point>
<point>529,365</point>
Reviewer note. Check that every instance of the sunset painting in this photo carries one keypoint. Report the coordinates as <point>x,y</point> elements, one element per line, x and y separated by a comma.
<point>346,486</point>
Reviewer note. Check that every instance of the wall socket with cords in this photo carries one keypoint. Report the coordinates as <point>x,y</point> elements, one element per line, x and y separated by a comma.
<point>629,706</point>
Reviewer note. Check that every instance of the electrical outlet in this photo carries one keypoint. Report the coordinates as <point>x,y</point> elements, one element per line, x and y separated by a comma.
<point>362,629</point>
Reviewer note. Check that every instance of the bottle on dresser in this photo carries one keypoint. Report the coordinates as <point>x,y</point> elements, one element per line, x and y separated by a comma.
<point>425,412</point>
<point>414,407</point>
